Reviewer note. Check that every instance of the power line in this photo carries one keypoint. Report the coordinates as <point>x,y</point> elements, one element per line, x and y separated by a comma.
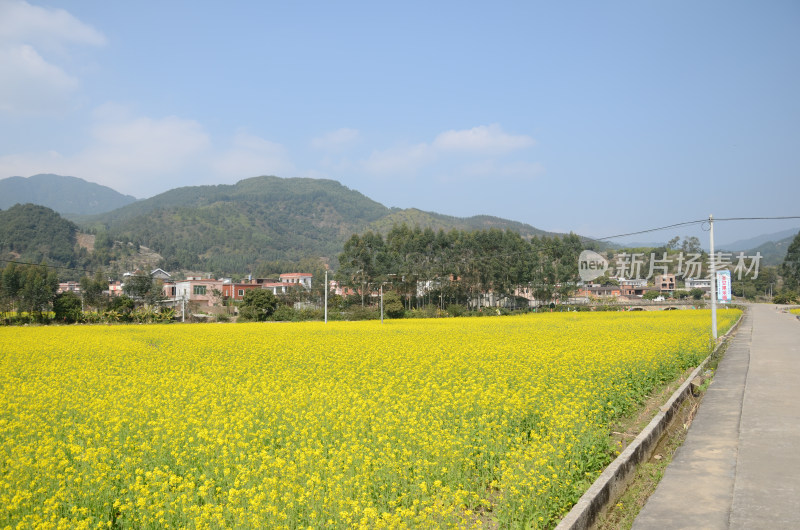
<point>699,221</point>
<point>17,262</point>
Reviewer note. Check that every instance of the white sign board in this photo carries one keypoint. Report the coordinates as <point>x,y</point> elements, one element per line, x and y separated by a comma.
<point>724,286</point>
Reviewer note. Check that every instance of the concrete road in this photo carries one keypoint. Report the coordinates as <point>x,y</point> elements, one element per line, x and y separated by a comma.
<point>740,464</point>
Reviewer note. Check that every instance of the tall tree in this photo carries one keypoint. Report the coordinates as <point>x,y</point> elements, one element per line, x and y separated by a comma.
<point>38,287</point>
<point>92,289</point>
<point>363,262</point>
<point>790,269</point>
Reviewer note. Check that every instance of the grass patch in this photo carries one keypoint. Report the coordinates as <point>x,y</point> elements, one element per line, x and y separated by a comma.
<point>622,514</point>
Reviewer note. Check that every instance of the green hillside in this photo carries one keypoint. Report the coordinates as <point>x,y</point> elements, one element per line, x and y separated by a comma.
<point>435,221</point>
<point>33,233</point>
<point>231,228</point>
<point>234,228</point>
<point>772,252</point>
<point>66,195</point>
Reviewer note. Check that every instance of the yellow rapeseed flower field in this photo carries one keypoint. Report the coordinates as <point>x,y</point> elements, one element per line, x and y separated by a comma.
<point>413,423</point>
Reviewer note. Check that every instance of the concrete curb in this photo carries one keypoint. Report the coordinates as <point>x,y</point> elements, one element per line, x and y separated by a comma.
<point>611,483</point>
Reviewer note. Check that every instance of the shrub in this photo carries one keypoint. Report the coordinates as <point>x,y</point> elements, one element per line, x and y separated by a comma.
<point>257,305</point>
<point>67,307</point>
<point>284,313</point>
<point>363,313</point>
<point>784,297</point>
<point>393,305</point>
<point>456,310</point>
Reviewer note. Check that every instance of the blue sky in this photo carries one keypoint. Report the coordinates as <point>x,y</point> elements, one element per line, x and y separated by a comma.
<point>596,117</point>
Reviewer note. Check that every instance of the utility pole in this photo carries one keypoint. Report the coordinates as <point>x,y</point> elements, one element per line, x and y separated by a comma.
<point>712,265</point>
<point>326,296</point>
<point>381,303</point>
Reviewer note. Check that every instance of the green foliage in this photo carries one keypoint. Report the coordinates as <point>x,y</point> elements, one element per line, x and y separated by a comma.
<point>786,296</point>
<point>605,280</point>
<point>32,233</point>
<point>393,305</point>
<point>651,295</point>
<point>690,245</point>
<point>150,315</point>
<point>697,293</point>
<point>257,305</point>
<point>67,307</point>
<point>238,228</point>
<point>790,269</point>
<point>36,286</point>
<point>457,266</point>
<point>284,313</point>
<point>121,304</point>
<point>143,287</point>
<point>456,310</point>
<point>233,228</point>
<point>92,290</point>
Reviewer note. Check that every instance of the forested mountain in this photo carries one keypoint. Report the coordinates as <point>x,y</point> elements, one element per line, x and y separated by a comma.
<point>772,252</point>
<point>435,221</point>
<point>33,233</point>
<point>66,195</point>
<point>235,228</point>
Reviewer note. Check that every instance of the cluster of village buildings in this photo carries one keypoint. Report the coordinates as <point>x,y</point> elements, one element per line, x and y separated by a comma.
<point>203,293</point>
<point>634,289</point>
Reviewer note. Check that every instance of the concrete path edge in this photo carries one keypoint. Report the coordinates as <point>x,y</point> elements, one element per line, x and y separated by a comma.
<point>611,483</point>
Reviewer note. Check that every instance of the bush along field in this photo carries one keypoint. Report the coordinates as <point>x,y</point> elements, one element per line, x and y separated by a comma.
<point>413,423</point>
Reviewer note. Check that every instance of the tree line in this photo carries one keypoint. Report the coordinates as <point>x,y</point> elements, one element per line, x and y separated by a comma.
<point>459,267</point>
<point>29,293</point>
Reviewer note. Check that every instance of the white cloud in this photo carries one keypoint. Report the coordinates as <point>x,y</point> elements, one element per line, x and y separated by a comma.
<point>145,145</point>
<point>484,139</point>
<point>134,155</point>
<point>32,81</point>
<point>335,140</point>
<point>400,160</point>
<point>143,155</point>
<point>32,84</point>
<point>450,148</point>
<point>251,156</point>
<point>46,27</point>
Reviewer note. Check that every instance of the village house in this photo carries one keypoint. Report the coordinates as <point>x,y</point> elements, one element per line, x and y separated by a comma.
<point>235,291</point>
<point>300,278</point>
<point>114,288</point>
<point>276,287</point>
<point>698,283</point>
<point>201,293</point>
<point>205,293</point>
<point>73,287</point>
<point>665,283</point>
<point>600,291</point>
<point>340,290</point>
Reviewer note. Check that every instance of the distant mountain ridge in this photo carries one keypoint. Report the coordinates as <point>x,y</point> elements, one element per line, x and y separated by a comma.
<point>772,252</point>
<point>65,195</point>
<point>754,242</point>
<point>235,227</point>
